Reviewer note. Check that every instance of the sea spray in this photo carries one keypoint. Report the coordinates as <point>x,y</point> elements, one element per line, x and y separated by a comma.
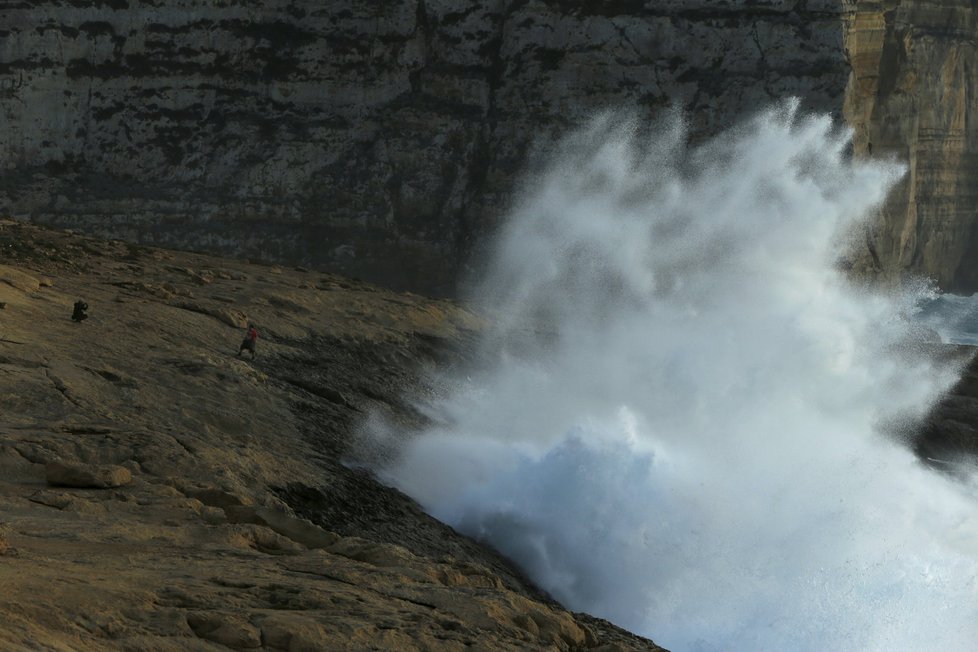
<point>682,416</point>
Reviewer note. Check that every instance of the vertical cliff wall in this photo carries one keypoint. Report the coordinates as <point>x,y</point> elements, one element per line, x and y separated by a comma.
<point>374,138</point>
<point>913,96</point>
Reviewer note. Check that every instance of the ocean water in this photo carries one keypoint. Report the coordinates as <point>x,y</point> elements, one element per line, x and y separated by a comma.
<point>953,318</point>
<point>685,420</point>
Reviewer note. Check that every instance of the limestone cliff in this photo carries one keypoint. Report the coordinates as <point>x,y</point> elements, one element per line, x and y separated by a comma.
<point>912,96</point>
<point>379,139</point>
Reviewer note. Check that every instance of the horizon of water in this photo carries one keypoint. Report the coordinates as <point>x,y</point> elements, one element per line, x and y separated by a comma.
<point>684,419</point>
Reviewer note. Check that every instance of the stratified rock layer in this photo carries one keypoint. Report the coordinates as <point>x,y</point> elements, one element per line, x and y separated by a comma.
<point>912,97</point>
<point>379,139</point>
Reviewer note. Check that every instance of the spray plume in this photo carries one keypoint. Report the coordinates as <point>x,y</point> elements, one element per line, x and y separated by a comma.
<point>679,417</point>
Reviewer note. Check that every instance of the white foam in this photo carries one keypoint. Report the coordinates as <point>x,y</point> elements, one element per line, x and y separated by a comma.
<point>678,420</point>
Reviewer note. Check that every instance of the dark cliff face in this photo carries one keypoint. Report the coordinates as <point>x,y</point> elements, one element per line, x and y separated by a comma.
<point>376,139</point>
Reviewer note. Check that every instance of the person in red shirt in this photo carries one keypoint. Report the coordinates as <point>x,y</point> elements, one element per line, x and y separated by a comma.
<point>251,338</point>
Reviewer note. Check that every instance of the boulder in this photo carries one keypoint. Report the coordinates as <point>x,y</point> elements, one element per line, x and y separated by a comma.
<point>86,476</point>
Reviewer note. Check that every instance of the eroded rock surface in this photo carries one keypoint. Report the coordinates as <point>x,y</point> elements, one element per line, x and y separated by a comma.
<point>240,528</point>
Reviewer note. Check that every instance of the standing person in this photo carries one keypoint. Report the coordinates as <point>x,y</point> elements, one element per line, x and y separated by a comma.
<point>251,338</point>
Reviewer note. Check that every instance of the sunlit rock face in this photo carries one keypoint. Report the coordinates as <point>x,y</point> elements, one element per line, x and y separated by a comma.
<point>377,139</point>
<point>912,96</point>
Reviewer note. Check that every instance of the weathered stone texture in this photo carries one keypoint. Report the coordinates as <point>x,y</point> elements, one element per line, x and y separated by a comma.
<point>913,97</point>
<point>105,476</point>
<point>374,138</point>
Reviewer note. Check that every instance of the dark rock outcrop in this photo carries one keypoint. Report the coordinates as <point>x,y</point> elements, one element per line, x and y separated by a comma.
<point>949,434</point>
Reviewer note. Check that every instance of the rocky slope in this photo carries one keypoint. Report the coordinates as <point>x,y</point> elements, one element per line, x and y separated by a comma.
<point>159,493</point>
<point>912,97</point>
<point>377,139</point>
